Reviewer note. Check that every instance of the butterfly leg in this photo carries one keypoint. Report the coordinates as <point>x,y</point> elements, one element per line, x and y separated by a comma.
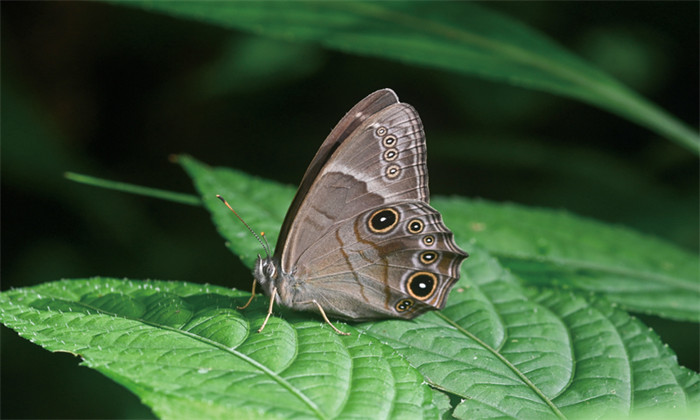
<point>269,310</point>
<point>325,318</point>
<point>252,295</point>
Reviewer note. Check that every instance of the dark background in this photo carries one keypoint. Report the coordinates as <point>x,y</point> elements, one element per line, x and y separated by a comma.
<point>111,91</point>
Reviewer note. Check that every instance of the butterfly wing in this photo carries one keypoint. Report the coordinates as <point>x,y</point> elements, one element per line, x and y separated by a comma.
<point>367,107</point>
<point>395,260</point>
<point>360,238</point>
<point>381,160</point>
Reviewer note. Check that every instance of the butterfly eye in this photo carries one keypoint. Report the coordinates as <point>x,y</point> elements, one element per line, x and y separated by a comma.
<point>270,271</point>
<point>404,305</point>
<point>383,220</point>
<point>415,226</point>
<point>421,285</point>
<point>428,257</point>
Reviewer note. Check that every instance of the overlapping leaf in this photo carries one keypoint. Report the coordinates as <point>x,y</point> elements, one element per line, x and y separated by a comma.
<point>460,37</point>
<point>547,248</point>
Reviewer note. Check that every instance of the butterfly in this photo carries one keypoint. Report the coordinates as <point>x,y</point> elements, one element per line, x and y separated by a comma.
<point>360,241</point>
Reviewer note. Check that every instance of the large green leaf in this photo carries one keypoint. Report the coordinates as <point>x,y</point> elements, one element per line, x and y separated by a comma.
<point>461,37</point>
<point>543,247</point>
<point>188,353</point>
<point>556,248</point>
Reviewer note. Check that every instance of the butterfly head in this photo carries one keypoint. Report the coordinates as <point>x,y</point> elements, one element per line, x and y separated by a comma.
<point>265,272</point>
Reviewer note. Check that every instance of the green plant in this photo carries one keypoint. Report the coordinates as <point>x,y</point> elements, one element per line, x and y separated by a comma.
<point>502,348</point>
<point>538,327</point>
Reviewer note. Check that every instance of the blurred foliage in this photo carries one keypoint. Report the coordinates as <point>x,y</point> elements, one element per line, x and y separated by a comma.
<point>112,91</point>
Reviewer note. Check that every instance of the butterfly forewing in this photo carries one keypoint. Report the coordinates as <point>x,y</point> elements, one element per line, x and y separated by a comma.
<point>367,107</point>
<point>382,161</point>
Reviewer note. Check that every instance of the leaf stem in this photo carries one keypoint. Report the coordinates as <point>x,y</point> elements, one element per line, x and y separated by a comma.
<point>176,197</point>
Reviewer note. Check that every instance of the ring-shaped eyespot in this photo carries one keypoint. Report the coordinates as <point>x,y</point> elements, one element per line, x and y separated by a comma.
<point>389,141</point>
<point>421,285</point>
<point>380,131</point>
<point>415,226</point>
<point>428,257</point>
<point>404,304</point>
<point>390,155</point>
<point>383,220</point>
<point>429,240</point>
<point>393,171</point>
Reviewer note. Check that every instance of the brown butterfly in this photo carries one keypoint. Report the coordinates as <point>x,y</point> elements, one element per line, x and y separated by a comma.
<point>360,240</point>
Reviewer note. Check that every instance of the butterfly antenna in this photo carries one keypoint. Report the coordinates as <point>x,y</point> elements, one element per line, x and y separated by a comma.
<point>267,245</point>
<point>264,245</point>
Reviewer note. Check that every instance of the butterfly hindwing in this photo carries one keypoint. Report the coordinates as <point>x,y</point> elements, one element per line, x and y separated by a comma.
<point>394,260</point>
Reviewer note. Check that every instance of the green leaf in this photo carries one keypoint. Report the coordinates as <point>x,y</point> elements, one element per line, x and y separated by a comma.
<point>188,353</point>
<point>555,248</point>
<point>659,381</point>
<point>460,37</point>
